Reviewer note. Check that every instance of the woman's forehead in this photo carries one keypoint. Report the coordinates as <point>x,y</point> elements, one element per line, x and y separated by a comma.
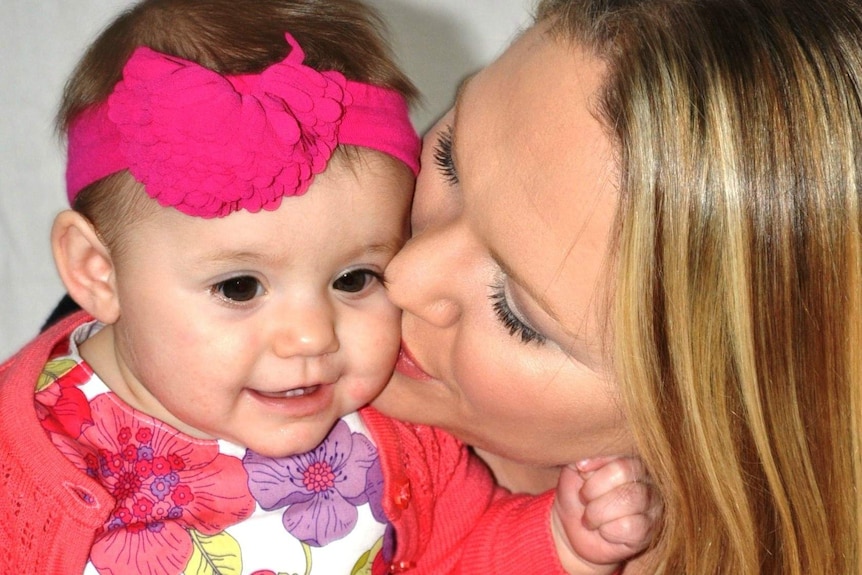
<point>536,171</point>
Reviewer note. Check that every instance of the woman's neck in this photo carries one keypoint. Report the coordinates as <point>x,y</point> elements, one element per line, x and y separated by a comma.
<point>520,477</point>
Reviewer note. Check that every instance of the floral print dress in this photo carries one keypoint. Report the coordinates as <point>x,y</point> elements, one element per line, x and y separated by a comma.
<point>191,506</point>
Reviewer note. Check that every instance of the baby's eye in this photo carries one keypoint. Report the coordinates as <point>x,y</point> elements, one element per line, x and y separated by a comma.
<point>355,281</point>
<point>239,289</point>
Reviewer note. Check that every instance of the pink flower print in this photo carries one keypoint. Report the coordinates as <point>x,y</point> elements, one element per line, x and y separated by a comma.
<point>143,468</point>
<point>124,435</point>
<point>321,489</point>
<point>162,486</point>
<point>141,507</point>
<point>126,484</point>
<point>144,435</point>
<point>161,467</point>
<point>60,404</point>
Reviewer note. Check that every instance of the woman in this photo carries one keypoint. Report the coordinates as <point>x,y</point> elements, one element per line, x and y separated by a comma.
<point>639,231</point>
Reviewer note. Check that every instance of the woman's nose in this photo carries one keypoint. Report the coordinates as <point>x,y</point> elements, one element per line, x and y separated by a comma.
<point>420,278</point>
<point>306,329</point>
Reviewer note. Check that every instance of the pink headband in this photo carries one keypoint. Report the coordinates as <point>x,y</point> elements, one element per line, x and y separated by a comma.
<point>209,144</point>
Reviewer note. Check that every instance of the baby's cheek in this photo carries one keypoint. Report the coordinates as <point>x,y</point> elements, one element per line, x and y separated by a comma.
<point>386,339</point>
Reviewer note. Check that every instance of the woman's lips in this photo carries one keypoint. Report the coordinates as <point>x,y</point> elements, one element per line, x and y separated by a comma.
<point>406,365</point>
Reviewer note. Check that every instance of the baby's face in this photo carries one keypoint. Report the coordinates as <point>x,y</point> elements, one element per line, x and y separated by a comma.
<point>263,329</point>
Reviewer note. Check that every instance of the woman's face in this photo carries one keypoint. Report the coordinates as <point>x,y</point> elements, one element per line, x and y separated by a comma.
<point>501,284</point>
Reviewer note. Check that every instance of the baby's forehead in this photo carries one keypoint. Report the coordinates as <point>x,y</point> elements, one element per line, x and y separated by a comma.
<point>358,158</point>
<point>352,168</point>
<point>328,221</point>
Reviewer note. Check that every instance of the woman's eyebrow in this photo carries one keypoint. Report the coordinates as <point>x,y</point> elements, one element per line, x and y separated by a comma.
<point>459,92</point>
<point>459,96</point>
<point>537,297</point>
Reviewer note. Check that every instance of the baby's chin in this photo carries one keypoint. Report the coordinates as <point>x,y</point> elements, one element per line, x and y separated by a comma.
<point>296,444</point>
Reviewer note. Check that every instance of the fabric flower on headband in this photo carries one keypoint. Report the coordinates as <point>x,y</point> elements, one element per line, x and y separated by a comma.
<point>256,138</point>
<point>209,144</point>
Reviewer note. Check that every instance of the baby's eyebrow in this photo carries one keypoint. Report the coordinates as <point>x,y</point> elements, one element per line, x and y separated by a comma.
<point>232,256</point>
<point>386,247</point>
<point>244,255</point>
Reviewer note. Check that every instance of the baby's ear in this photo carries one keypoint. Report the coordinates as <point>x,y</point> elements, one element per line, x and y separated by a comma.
<point>85,266</point>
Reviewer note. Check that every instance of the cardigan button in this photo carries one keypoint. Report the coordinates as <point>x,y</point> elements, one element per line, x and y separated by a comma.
<point>403,495</point>
<point>401,566</point>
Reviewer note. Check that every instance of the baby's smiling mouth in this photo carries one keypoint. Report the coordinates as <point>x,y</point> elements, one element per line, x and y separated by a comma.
<point>298,392</point>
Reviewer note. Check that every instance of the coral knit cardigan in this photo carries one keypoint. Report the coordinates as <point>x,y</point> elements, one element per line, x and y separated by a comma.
<point>448,515</point>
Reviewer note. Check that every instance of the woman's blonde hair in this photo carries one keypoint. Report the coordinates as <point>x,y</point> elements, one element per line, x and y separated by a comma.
<point>737,314</point>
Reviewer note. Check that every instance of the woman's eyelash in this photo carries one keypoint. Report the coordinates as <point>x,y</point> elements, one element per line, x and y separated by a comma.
<point>443,156</point>
<point>513,324</point>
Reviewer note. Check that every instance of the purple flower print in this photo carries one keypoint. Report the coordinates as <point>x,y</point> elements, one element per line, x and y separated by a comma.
<point>321,489</point>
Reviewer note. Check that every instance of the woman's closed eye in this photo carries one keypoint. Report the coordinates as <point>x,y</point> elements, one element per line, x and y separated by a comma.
<point>510,320</point>
<point>443,156</point>
<point>238,290</point>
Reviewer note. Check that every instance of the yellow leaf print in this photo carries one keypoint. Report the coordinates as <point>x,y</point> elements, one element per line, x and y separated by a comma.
<point>53,371</point>
<point>214,555</point>
<point>366,560</point>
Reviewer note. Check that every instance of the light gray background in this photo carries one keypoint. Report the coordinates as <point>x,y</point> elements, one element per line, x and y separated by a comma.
<point>438,42</point>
